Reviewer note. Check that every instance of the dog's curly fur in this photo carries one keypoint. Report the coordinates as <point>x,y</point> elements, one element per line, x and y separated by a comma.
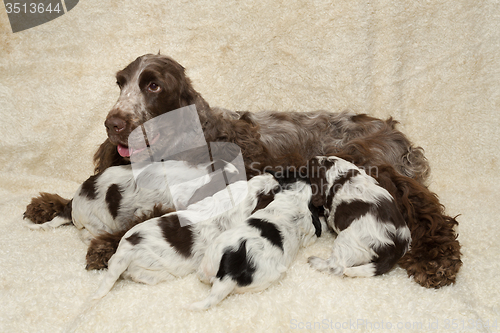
<point>47,206</point>
<point>434,259</point>
<point>271,139</point>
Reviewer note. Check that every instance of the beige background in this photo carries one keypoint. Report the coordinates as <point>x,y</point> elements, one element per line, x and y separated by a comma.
<point>433,65</point>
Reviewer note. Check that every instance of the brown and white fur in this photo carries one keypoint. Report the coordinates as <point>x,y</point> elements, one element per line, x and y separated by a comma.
<point>161,248</point>
<point>372,235</point>
<point>107,202</point>
<point>257,253</point>
<point>155,84</point>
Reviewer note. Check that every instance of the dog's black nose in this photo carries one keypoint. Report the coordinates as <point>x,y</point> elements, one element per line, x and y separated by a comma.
<point>115,124</point>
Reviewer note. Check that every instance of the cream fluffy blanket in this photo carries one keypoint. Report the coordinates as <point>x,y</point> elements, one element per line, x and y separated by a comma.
<point>433,65</point>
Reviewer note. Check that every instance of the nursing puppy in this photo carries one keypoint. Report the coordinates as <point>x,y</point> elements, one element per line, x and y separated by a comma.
<point>109,201</point>
<point>252,256</point>
<point>372,233</point>
<point>161,248</point>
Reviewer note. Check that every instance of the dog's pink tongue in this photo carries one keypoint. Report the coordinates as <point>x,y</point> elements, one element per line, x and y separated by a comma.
<point>123,151</point>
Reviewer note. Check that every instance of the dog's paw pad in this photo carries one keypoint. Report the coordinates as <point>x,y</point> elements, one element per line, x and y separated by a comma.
<point>318,263</point>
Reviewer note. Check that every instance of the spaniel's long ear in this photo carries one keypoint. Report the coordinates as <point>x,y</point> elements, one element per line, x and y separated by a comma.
<point>107,156</point>
<point>187,94</point>
<point>317,177</point>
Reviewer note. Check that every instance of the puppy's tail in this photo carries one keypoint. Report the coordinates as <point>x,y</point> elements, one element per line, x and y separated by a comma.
<point>118,263</point>
<point>220,289</point>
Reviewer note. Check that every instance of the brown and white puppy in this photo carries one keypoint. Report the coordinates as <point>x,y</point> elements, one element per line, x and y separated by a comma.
<point>258,252</point>
<point>372,235</point>
<point>111,200</point>
<point>161,248</point>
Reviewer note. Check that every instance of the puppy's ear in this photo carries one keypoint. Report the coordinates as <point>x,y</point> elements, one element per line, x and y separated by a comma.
<point>272,172</point>
<point>315,219</point>
<point>317,177</point>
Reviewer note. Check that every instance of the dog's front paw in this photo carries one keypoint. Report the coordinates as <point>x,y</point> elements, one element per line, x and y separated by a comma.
<point>45,208</point>
<point>318,263</point>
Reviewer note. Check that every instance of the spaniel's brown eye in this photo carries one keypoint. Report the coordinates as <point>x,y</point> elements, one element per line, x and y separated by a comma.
<point>153,87</point>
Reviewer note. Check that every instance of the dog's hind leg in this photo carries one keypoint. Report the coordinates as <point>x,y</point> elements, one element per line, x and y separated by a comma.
<point>346,252</point>
<point>220,289</point>
<point>367,270</point>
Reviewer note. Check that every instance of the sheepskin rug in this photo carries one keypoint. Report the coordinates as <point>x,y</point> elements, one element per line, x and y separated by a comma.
<point>433,65</point>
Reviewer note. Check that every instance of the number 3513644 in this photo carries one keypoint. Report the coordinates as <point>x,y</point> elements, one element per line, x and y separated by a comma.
<point>32,8</point>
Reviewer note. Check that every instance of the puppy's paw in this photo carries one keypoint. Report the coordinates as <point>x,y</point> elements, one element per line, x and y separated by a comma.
<point>56,222</point>
<point>318,263</point>
<point>197,306</point>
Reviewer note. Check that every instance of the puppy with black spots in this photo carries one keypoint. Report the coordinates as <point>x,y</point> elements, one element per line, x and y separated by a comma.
<point>372,235</point>
<point>252,256</point>
<point>165,247</point>
<point>109,201</point>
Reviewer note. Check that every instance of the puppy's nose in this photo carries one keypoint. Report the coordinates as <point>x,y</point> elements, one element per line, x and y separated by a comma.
<point>115,124</point>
